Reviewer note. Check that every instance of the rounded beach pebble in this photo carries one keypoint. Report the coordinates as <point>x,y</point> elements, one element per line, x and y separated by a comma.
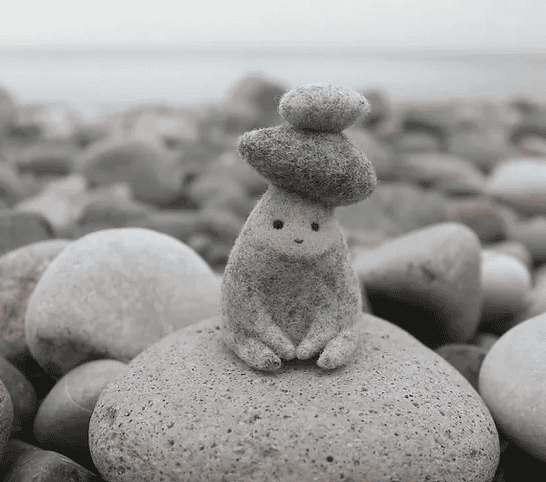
<point>322,107</point>
<point>506,285</point>
<point>191,410</point>
<point>113,293</point>
<point>512,384</point>
<point>62,421</point>
<point>426,281</point>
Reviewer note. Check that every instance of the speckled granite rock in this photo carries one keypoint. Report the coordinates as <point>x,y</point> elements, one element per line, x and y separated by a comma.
<point>191,410</point>
<point>113,293</point>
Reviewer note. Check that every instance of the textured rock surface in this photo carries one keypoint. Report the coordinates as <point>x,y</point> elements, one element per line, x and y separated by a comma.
<point>427,282</point>
<point>191,410</point>
<point>20,271</point>
<point>512,384</point>
<point>113,293</point>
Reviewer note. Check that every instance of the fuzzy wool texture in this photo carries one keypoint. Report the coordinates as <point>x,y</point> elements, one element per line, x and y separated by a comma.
<point>322,107</point>
<point>320,166</point>
<point>290,292</point>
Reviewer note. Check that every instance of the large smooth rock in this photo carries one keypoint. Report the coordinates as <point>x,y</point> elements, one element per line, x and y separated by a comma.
<point>511,383</point>
<point>62,421</point>
<point>427,282</point>
<point>20,271</point>
<point>113,293</point>
<point>191,410</point>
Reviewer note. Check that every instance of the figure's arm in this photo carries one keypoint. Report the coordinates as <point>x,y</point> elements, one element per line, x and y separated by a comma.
<point>251,333</point>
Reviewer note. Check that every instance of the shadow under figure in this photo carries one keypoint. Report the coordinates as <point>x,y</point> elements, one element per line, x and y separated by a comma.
<point>288,289</point>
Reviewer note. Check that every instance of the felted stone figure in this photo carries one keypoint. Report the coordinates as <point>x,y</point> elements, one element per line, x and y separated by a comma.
<point>288,289</point>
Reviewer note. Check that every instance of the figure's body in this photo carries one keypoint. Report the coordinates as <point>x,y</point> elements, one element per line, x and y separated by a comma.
<point>289,290</point>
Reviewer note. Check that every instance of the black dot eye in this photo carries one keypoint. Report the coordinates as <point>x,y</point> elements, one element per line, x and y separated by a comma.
<point>278,224</point>
<point>314,226</point>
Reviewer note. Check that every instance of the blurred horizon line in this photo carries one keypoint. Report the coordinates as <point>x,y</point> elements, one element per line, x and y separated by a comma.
<point>298,48</point>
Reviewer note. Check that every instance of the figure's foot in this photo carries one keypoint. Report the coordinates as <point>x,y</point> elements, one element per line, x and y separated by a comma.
<point>338,350</point>
<point>255,353</point>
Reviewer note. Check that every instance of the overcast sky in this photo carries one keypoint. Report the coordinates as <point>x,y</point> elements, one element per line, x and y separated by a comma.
<point>376,23</point>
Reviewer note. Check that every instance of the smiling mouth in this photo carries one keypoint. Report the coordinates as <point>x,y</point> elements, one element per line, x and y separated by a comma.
<point>299,241</point>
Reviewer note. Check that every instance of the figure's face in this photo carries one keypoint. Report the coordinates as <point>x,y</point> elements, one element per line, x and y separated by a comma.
<point>292,226</point>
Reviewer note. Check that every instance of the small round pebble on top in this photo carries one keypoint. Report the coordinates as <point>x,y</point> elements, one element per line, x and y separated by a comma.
<point>323,107</point>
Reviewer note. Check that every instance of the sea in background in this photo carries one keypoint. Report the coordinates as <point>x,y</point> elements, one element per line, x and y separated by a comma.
<point>99,81</point>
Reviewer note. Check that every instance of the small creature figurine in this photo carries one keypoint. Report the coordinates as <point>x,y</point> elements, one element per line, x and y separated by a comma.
<point>288,289</point>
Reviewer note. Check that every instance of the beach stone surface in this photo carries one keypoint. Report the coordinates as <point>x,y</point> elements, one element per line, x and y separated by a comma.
<point>521,183</point>
<point>113,293</point>
<point>23,462</point>
<point>480,214</point>
<point>394,209</point>
<point>446,173</point>
<point>514,248</point>
<point>62,421</point>
<point>192,410</point>
<point>427,282</point>
<point>60,202</point>
<point>151,172</point>
<point>12,188</point>
<point>506,284</point>
<point>466,358</point>
<point>511,383</point>
<point>536,300</point>
<point>22,393</point>
<point>57,157</point>
<point>532,233</point>
<point>20,270</point>
<point>18,229</point>
<point>6,416</point>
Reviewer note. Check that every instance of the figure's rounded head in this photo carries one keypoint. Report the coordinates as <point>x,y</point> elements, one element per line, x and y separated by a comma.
<point>291,226</point>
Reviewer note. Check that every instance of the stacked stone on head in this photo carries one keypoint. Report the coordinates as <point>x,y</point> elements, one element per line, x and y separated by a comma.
<point>308,154</point>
